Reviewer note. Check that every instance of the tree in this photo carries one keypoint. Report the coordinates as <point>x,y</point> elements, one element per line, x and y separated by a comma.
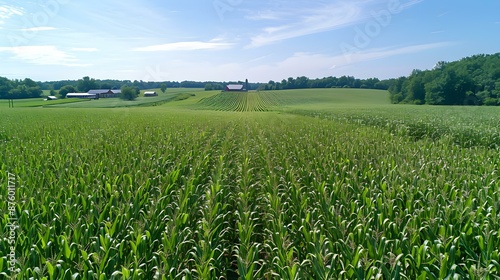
<point>137,91</point>
<point>415,88</point>
<point>434,92</point>
<point>395,90</point>
<point>128,93</point>
<point>163,87</point>
<point>106,86</point>
<point>30,83</point>
<point>65,90</point>
<point>5,87</point>
<point>85,84</point>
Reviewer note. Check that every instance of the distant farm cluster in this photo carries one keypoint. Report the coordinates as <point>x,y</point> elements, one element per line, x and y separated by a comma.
<point>96,94</point>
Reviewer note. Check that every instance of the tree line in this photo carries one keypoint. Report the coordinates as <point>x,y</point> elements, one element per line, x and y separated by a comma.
<point>116,84</point>
<point>81,85</point>
<point>16,89</point>
<point>472,80</point>
<point>327,82</point>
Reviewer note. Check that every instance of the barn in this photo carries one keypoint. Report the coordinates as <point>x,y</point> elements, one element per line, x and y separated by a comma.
<point>150,93</point>
<point>240,86</point>
<point>105,93</point>
<point>82,95</point>
<point>235,87</point>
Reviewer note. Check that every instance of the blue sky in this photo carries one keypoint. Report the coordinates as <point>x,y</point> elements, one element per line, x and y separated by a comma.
<point>230,40</point>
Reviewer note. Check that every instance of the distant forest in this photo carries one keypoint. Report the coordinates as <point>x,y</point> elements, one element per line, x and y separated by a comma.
<point>328,82</point>
<point>304,82</point>
<point>473,80</point>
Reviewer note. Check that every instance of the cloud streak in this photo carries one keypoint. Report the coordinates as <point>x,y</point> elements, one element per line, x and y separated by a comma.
<point>379,53</point>
<point>42,55</point>
<point>325,18</point>
<point>309,22</point>
<point>185,46</point>
<point>85,49</point>
<point>40,28</point>
<point>7,11</point>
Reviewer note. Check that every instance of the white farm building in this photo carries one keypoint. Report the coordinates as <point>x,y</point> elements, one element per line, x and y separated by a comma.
<point>82,95</point>
<point>150,93</point>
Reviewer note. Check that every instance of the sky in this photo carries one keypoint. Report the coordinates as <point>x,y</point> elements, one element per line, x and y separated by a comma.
<point>232,40</point>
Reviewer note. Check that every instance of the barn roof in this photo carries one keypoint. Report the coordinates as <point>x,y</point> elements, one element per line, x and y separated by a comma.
<point>101,91</point>
<point>98,91</point>
<point>80,94</point>
<point>234,87</point>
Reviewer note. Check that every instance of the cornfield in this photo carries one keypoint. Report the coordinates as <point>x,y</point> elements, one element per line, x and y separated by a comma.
<point>244,101</point>
<point>151,193</point>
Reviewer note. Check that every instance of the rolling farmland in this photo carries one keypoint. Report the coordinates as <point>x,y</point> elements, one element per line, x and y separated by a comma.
<point>304,184</point>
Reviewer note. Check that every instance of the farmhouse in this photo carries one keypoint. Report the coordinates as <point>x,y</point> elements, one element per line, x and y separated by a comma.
<point>150,93</point>
<point>105,93</point>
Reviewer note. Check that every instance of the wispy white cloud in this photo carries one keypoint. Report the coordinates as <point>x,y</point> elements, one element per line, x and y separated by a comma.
<point>85,49</point>
<point>43,55</point>
<point>7,11</point>
<point>379,53</point>
<point>186,46</point>
<point>39,28</point>
<point>309,22</point>
<point>320,19</point>
<point>267,15</point>
<point>259,58</point>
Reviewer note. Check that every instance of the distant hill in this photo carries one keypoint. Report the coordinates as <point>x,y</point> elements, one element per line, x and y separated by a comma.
<point>472,80</point>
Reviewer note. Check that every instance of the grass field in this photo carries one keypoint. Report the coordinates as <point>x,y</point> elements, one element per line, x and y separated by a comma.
<point>170,95</point>
<point>303,184</point>
<point>37,102</point>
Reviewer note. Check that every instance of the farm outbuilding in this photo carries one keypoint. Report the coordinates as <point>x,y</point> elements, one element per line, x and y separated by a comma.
<point>235,87</point>
<point>150,93</point>
<point>82,95</point>
<point>51,97</point>
<point>105,93</point>
<point>240,86</point>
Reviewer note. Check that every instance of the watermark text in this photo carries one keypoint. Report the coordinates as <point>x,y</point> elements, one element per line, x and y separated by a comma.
<point>12,224</point>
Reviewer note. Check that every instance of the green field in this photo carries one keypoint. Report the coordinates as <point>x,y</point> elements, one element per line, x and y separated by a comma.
<point>170,95</point>
<point>299,184</point>
<point>314,99</point>
<point>38,102</point>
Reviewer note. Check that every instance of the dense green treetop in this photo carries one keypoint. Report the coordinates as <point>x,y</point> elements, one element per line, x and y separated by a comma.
<point>472,80</point>
<point>14,89</point>
<point>128,93</point>
<point>65,90</point>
